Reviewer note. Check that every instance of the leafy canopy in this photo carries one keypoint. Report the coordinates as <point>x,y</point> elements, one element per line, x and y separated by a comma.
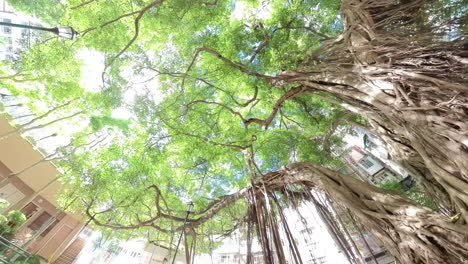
<point>194,78</point>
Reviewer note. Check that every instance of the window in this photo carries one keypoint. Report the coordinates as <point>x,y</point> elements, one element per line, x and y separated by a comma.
<point>87,232</point>
<point>312,248</point>
<point>321,260</point>
<point>366,163</point>
<point>29,210</point>
<point>312,245</point>
<point>225,259</point>
<point>9,192</point>
<point>50,227</point>
<point>7,29</point>
<point>40,221</point>
<point>24,31</point>
<point>258,259</point>
<point>308,230</point>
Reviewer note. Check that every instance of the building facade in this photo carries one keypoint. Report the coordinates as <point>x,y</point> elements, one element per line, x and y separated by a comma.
<point>111,251</point>
<point>12,39</point>
<point>48,231</point>
<point>368,167</point>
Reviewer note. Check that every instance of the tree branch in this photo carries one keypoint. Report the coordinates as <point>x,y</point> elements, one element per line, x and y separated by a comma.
<point>266,122</point>
<point>219,104</point>
<point>230,95</point>
<point>22,129</point>
<point>215,2</point>
<point>227,61</point>
<point>82,4</point>
<point>334,125</point>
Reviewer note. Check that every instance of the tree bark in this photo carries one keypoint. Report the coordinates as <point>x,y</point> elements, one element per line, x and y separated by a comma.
<point>408,86</point>
<point>412,234</point>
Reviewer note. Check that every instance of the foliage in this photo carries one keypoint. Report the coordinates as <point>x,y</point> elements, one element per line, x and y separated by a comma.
<point>49,11</point>
<point>10,223</point>
<point>180,142</point>
<point>414,192</point>
<point>99,122</point>
<point>207,118</point>
<point>4,203</point>
<point>31,260</point>
<point>16,218</point>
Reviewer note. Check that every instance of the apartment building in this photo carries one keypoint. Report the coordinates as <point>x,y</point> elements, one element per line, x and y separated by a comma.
<point>48,230</point>
<point>368,167</point>
<point>12,39</point>
<point>99,249</point>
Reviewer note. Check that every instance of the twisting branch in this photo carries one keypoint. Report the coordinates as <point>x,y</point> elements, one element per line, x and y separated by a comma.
<point>254,97</point>
<point>229,144</point>
<point>25,77</point>
<point>187,106</point>
<point>214,143</point>
<point>207,213</point>
<point>323,36</point>
<point>260,48</point>
<point>82,4</point>
<point>266,122</point>
<point>227,61</point>
<point>137,25</point>
<point>84,32</point>
<point>140,13</point>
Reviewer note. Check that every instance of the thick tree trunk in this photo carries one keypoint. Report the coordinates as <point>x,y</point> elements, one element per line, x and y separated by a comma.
<point>413,234</point>
<point>411,86</point>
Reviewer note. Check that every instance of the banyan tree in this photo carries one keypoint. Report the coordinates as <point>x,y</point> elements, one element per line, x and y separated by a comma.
<point>235,105</point>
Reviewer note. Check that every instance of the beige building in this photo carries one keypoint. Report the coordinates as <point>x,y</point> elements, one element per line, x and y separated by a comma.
<point>48,231</point>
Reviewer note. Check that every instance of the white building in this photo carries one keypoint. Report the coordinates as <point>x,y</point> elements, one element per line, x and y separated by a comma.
<point>375,149</point>
<point>314,243</point>
<point>98,250</point>
<point>13,39</point>
<point>368,167</point>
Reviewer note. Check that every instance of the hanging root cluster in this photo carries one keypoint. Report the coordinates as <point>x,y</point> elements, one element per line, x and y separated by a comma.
<point>270,218</point>
<point>403,66</point>
<point>411,233</point>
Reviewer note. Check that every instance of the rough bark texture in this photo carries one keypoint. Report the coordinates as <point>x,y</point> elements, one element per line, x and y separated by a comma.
<point>413,234</point>
<point>409,82</point>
